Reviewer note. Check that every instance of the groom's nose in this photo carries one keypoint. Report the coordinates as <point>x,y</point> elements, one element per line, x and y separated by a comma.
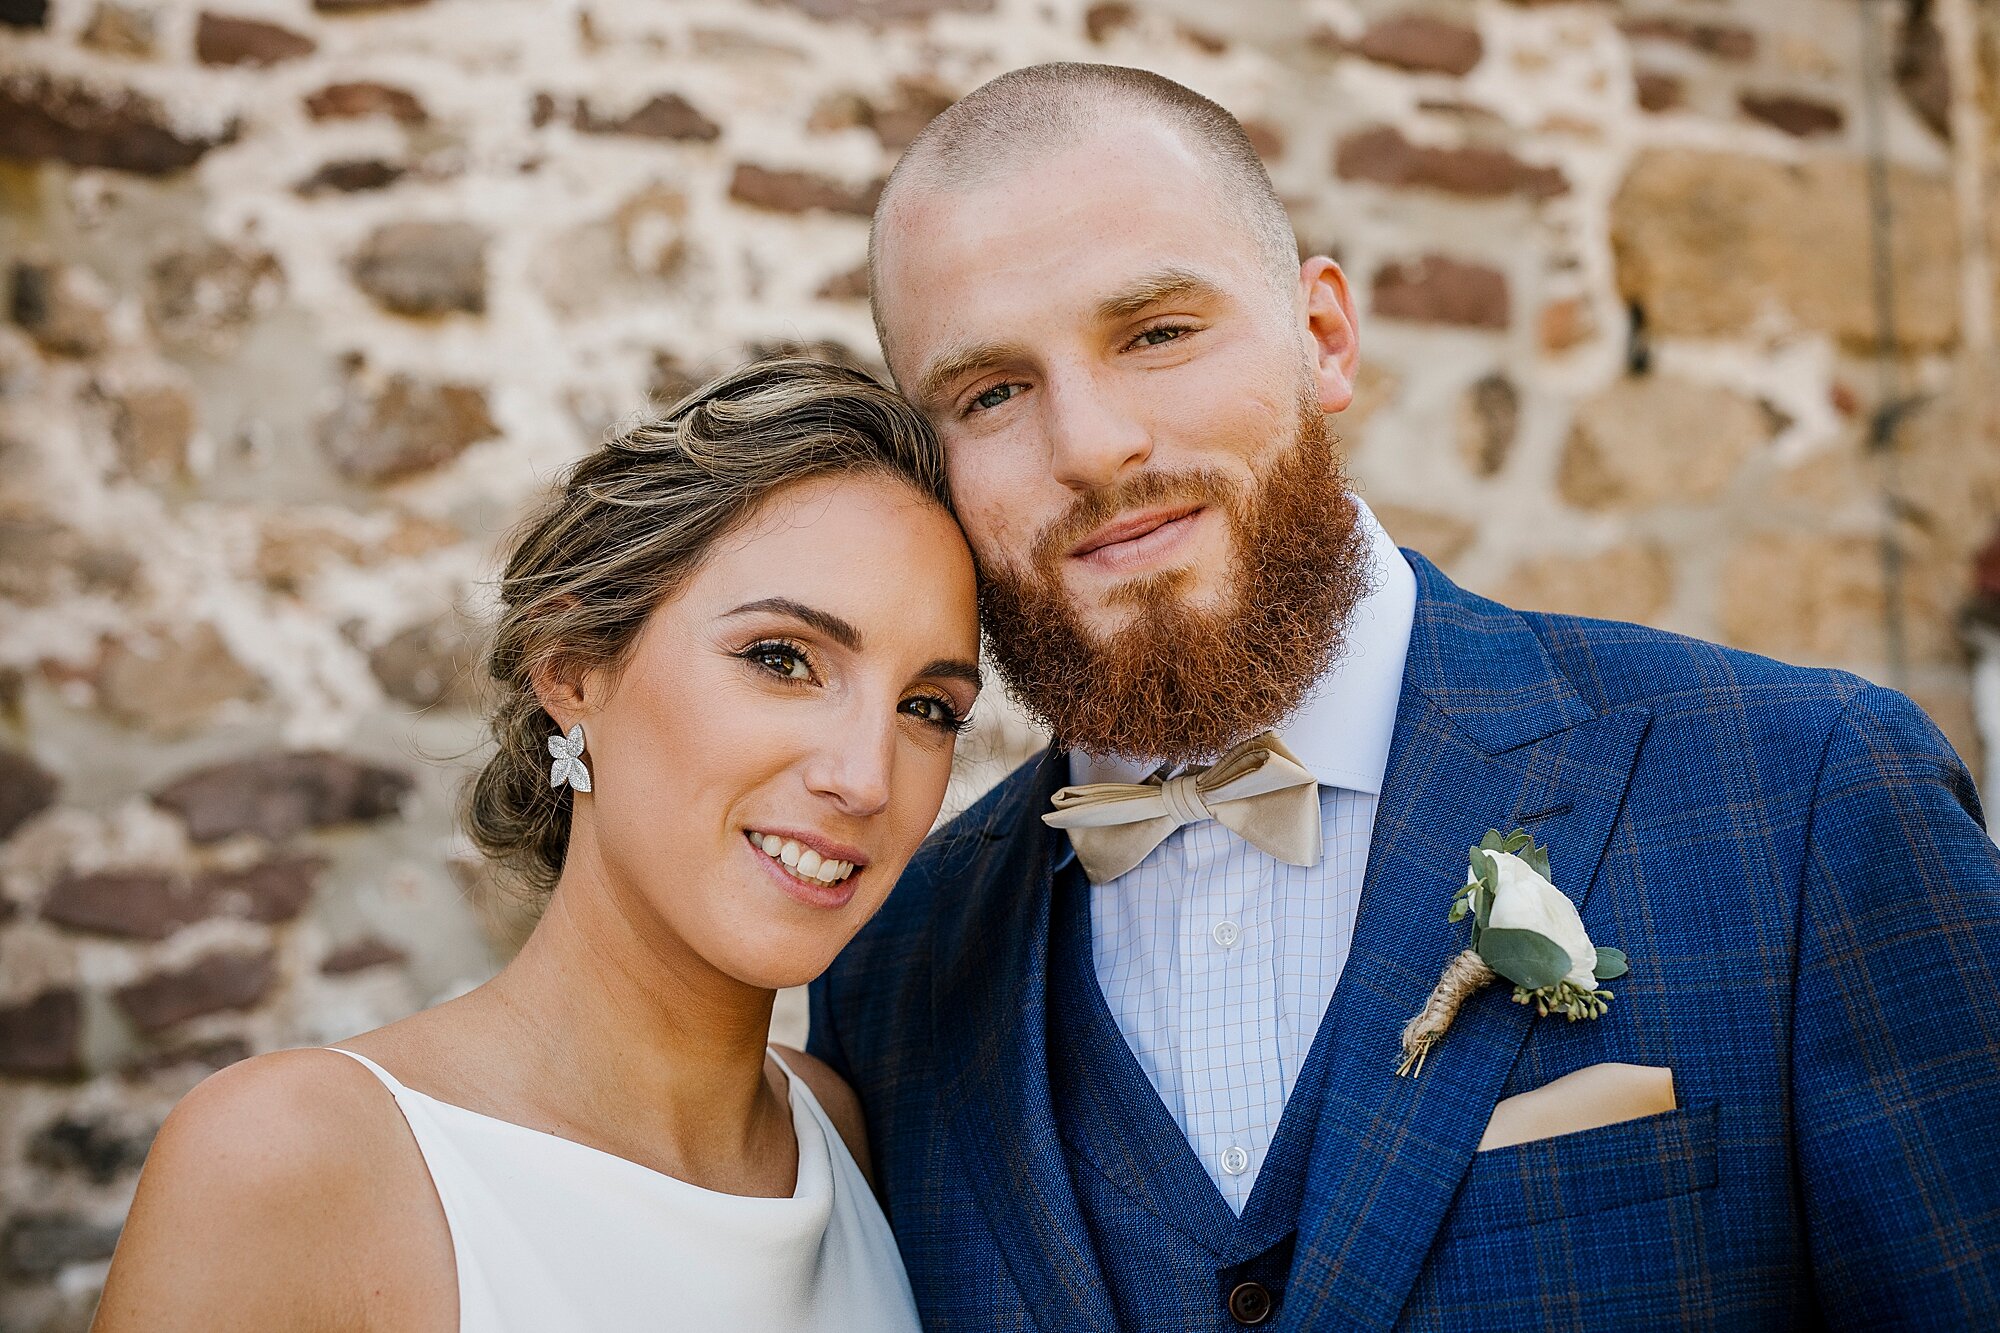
<point>1093,440</point>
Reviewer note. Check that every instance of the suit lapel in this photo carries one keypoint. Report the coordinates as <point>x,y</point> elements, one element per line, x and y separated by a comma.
<point>990,1016</point>
<point>1488,735</point>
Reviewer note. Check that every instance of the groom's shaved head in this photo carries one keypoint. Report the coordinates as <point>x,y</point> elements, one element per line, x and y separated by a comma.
<point>1005,125</point>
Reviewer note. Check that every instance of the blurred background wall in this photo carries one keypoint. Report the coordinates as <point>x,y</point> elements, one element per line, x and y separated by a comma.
<point>1679,311</point>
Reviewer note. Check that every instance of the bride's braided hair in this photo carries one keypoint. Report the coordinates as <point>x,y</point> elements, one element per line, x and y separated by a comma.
<point>627,525</point>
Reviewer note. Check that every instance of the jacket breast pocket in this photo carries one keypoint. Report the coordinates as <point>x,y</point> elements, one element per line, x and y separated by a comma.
<point>1654,1157</point>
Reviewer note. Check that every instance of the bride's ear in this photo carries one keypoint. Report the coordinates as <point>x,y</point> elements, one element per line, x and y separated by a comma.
<point>559,688</point>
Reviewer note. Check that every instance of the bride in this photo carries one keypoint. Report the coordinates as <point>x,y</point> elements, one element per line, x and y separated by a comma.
<point>733,657</point>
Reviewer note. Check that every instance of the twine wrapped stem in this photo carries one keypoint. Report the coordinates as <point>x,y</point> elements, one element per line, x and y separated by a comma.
<point>1464,975</point>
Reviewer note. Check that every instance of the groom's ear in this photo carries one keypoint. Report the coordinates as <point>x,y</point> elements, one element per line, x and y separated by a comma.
<point>1333,338</point>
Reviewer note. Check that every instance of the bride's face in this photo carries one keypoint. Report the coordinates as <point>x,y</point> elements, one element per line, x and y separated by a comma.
<point>779,741</point>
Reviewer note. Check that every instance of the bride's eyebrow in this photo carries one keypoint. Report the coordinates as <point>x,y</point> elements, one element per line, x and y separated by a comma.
<point>825,622</point>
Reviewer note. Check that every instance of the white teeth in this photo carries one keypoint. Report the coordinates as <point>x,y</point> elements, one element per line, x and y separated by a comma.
<point>802,861</point>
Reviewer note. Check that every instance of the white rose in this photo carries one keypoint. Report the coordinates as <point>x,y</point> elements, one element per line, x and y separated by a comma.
<point>1523,900</point>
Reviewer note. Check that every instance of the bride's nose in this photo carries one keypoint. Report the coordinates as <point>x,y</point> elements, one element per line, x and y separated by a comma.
<point>852,762</point>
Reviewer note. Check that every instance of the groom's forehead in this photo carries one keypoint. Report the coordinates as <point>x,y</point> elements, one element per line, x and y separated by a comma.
<point>1080,232</point>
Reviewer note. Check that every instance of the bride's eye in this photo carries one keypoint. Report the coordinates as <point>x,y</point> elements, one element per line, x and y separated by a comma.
<point>780,659</point>
<point>937,712</point>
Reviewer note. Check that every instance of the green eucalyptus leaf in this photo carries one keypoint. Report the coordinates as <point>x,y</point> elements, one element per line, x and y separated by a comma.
<point>1523,957</point>
<point>1492,842</point>
<point>1610,963</point>
<point>1538,859</point>
<point>1516,841</point>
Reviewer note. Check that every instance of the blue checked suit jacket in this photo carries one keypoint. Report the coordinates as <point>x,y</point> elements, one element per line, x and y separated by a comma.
<point>1795,862</point>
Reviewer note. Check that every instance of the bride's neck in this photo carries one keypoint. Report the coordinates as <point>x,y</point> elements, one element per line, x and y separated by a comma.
<point>632,1023</point>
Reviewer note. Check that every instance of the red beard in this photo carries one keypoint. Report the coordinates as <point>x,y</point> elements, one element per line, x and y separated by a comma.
<point>1177,684</point>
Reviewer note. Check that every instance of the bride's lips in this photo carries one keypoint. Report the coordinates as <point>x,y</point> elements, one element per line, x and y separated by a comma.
<point>1137,538</point>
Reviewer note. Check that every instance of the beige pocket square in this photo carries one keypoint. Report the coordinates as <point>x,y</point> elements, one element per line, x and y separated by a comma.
<point>1590,1098</point>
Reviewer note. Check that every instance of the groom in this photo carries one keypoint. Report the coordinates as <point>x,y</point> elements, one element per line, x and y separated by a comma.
<point>1127,1076</point>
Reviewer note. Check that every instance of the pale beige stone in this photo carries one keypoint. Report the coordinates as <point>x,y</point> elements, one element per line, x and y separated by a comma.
<point>1653,439</point>
<point>1712,244</point>
<point>1630,582</point>
<point>1815,599</point>
<point>1441,537</point>
<point>171,682</point>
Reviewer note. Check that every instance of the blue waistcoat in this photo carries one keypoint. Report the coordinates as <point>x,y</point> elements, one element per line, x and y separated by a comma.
<point>1138,1185</point>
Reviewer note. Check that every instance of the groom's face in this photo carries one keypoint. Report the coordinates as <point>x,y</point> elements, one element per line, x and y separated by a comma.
<point>1110,360</point>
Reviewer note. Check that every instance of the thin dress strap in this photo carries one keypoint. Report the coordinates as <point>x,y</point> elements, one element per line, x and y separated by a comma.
<point>388,1079</point>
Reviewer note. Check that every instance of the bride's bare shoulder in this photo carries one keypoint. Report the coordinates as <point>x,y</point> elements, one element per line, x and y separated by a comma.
<point>255,1194</point>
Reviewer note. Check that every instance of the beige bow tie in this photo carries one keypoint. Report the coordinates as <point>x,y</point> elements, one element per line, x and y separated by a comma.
<point>1259,790</point>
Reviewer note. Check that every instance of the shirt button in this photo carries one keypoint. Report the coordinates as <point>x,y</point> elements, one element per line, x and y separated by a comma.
<point>1235,1161</point>
<point>1226,933</point>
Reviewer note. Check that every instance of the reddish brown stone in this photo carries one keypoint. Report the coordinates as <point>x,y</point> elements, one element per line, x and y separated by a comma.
<point>349,101</point>
<point>667,116</point>
<point>121,30</point>
<point>1266,138</point>
<point>898,122</point>
<point>133,904</point>
<point>277,795</point>
<point>1489,417</point>
<point>800,191</point>
<point>1440,290</point>
<point>1101,20</point>
<point>212,1053</point>
<point>152,426</point>
<point>100,1148</point>
<point>269,892</point>
<point>848,285</point>
<point>1657,91</point>
<point>351,177</point>
<point>1421,42</point>
<point>408,427</point>
<point>1384,156</point>
<point>212,290</point>
<point>222,39</point>
<point>40,1036</point>
<point>212,983</point>
<point>424,268</point>
<point>1923,71</point>
<point>1801,117</point>
<point>1725,41</point>
<point>39,1245</point>
<point>44,119</point>
<point>429,665</point>
<point>1202,40</point>
<point>61,308</point>
<point>26,789</point>
<point>362,6</point>
<point>1986,571</point>
<point>361,954</point>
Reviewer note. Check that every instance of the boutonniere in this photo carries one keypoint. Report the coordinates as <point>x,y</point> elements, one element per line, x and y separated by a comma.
<point>1523,929</point>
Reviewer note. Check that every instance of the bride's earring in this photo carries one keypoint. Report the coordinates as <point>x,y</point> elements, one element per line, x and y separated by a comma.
<point>568,766</point>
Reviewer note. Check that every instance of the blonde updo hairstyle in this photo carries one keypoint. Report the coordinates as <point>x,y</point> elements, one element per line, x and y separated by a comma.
<point>628,525</point>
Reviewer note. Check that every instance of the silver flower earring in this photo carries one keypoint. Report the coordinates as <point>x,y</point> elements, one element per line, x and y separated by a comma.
<point>568,766</point>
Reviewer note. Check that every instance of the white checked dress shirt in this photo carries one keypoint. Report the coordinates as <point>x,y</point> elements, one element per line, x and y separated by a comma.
<point>1216,959</point>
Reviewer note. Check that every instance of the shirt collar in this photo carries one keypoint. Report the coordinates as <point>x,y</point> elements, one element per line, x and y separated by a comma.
<point>1342,731</point>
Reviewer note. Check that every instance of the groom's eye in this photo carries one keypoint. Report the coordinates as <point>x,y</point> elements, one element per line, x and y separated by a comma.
<point>1165,333</point>
<point>993,397</point>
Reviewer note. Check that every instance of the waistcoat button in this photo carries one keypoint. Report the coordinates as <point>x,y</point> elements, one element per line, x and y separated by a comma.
<point>1250,1303</point>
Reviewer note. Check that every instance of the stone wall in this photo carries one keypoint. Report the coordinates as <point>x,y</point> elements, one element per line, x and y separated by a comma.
<point>305,298</point>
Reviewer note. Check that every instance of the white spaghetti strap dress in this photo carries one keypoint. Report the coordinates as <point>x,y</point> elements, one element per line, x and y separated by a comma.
<point>552,1236</point>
